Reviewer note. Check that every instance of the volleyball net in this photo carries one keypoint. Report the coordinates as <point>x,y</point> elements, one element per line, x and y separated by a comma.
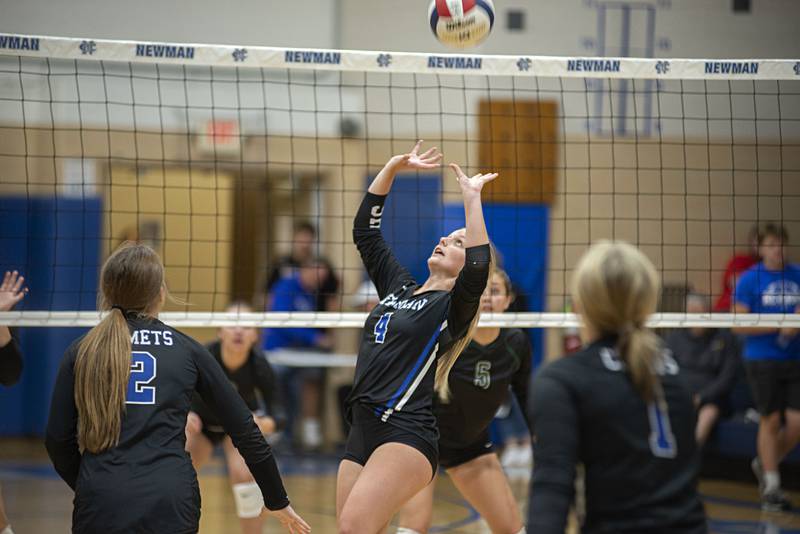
<point>242,166</point>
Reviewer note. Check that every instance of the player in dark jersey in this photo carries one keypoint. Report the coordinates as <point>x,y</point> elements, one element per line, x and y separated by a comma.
<point>479,381</point>
<point>246,366</point>
<point>12,291</point>
<point>619,407</point>
<point>391,451</point>
<point>116,430</point>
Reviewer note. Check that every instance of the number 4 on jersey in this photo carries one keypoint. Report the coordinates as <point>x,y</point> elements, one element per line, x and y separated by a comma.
<point>143,371</point>
<point>381,327</point>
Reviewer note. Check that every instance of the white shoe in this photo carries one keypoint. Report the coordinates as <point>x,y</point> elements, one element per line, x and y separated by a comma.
<point>524,456</point>
<point>311,433</point>
<point>509,457</point>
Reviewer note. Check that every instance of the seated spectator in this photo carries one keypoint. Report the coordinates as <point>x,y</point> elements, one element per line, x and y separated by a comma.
<point>304,243</point>
<point>295,293</point>
<point>738,264</point>
<point>709,359</point>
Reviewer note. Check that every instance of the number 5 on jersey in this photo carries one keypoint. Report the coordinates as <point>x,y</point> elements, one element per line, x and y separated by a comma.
<point>143,371</point>
<point>381,327</point>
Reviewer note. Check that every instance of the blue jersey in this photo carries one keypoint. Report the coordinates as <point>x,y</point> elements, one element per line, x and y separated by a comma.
<point>288,295</point>
<point>765,291</point>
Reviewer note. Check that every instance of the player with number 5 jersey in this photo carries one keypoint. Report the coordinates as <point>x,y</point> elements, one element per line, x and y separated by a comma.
<point>115,432</point>
<point>410,341</point>
<point>495,361</point>
<point>619,407</point>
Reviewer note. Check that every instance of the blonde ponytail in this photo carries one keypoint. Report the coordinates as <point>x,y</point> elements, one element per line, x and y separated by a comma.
<point>132,280</point>
<point>616,289</point>
<point>639,347</point>
<point>102,370</point>
<point>447,360</point>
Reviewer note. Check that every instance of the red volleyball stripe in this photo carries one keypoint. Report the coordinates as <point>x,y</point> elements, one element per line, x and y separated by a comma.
<point>441,7</point>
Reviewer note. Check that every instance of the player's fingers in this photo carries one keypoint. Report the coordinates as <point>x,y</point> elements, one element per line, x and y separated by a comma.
<point>428,153</point>
<point>489,177</point>
<point>6,280</point>
<point>416,147</point>
<point>457,170</point>
<point>18,284</point>
<point>433,159</point>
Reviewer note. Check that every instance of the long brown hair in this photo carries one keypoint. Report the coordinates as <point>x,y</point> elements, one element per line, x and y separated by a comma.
<point>616,288</point>
<point>447,360</point>
<point>131,280</point>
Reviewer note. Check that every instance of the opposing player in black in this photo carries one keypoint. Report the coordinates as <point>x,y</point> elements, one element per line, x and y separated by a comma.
<point>409,344</point>
<point>479,381</point>
<point>116,430</point>
<point>12,290</point>
<point>246,366</point>
<point>618,407</point>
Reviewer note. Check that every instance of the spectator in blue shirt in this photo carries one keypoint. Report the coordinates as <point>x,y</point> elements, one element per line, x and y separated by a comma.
<point>296,292</point>
<point>772,357</point>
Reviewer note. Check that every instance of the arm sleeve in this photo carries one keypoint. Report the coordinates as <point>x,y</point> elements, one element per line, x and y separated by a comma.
<point>218,393</point>
<point>522,378</point>
<point>554,422</point>
<point>382,266</point>
<point>61,436</point>
<point>10,363</point>
<point>270,392</point>
<point>726,375</point>
<point>466,294</point>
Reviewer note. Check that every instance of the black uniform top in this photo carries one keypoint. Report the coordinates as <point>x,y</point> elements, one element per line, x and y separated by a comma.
<point>396,362</point>
<point>709,362</point>
<point>254,379</point>
<point>10,363</point>
<point>479,383</point>
<point>640,463</point>
<point>147,483</point>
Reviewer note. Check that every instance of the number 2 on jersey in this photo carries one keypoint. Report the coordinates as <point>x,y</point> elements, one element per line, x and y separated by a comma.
<point>381,327</point>
<point>143,371</point>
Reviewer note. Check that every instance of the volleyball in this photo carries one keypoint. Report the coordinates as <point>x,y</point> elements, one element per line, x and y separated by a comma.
<point>461,23</point>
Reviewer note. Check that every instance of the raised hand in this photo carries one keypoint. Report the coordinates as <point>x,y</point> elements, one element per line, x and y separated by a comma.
<point>292,522</point>
<point>11,290</point>
<point>430,159</point>
<point>471,186</point>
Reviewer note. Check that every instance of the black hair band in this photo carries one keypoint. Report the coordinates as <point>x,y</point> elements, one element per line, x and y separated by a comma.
<point>120,308</point>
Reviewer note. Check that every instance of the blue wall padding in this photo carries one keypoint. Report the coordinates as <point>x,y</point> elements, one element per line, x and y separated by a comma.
<point>520,232</point>
<point>55,243</point>
<point>412,221</point>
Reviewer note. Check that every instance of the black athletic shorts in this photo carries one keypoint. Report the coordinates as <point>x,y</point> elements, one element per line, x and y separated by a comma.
<point>450,456</point>
<point>368,432</point>
<point>775,384</point>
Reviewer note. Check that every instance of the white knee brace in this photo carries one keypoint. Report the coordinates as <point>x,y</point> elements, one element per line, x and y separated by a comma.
<point>522,531</point>
<point>248,498</point>
<point>404,530</point>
